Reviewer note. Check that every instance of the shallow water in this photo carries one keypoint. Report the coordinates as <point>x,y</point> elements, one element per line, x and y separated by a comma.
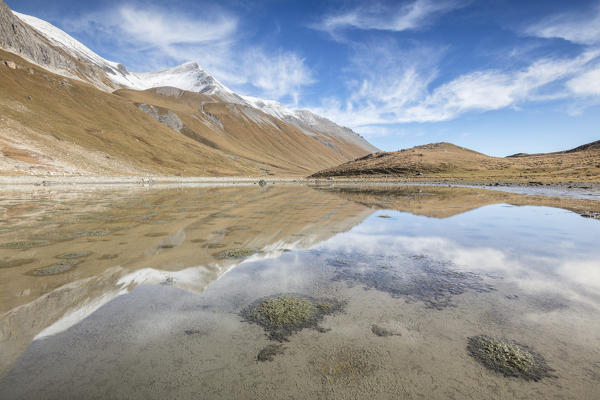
<point>142,293</point>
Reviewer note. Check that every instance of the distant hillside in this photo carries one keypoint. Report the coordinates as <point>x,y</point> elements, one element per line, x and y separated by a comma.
<point>448,161</point>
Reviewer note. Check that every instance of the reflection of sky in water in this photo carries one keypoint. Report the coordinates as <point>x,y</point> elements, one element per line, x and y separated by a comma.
<point>541,249</point>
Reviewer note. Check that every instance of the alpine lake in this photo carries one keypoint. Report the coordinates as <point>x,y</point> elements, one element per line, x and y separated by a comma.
<point>299,292</point>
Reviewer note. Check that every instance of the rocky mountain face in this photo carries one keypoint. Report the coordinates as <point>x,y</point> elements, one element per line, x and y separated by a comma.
<point>20,38</point>
<point>49,47</point>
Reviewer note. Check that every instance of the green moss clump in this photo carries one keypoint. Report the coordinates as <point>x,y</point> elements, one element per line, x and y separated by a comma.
<point>285,311</point>
<point>237,253</point>
<point>281,316</point>
<point>508,358</point>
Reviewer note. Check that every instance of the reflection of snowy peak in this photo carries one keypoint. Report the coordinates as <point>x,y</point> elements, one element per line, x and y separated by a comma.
<point>55,50</point>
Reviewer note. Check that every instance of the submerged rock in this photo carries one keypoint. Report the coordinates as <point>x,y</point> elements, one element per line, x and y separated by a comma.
<point>269,352</point>
<point>284,315</point>
<point>382,332</point>
<point>508,358</point>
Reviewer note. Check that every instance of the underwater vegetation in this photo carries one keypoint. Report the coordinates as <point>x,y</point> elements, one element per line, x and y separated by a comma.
<point>283,315</point>
<point>69,256</point>
<point>415,278</point>
<point>508,358</point>
<point>25,244</point>
<point>346,365</point>
<point>57,268</point>
<point>237,253</point>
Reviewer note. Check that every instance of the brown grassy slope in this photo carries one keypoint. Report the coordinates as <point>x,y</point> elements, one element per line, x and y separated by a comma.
<point>447,161</point>
<point>246,132</point>
<point>53,124</point>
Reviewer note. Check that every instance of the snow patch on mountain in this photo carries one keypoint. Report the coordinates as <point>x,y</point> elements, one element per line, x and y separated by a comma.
<point>115,71</point>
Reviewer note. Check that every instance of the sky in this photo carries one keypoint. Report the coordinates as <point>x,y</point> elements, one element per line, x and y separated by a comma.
<point>498,76</point>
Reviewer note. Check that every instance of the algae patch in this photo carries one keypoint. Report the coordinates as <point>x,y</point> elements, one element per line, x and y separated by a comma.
<point>236,253</point>
<point>69,256</point>
<point>25,244</point>
<point>283,315</point>
<point>508,358</point>
<point>415,278</point>
<point>54,269</point>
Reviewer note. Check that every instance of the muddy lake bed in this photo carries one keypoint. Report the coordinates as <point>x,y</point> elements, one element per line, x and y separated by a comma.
<point>296,292</point>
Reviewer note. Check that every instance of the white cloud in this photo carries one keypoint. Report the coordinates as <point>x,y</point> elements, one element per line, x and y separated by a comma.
<point>586,84</point>
<point>163,29</point>
<point>399,17</point>
<point>576,28</point>
<point>153,37</point>
<point>279,75</point>
<point>397,88</point>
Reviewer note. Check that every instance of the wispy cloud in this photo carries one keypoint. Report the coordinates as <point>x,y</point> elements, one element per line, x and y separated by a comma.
<point>153,37</point>
<point>400,91</point>
<point>396,17</point>
<point>586,84</point>
<point>277,75</point>
<point>576,28</point>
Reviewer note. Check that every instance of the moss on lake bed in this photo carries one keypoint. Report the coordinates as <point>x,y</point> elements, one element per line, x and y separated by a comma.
<point>237,253</point>
<point>283,315</point>
<point>508,358</point>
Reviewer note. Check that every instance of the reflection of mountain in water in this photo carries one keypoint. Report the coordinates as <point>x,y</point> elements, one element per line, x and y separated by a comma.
<point>123,239</point>
<point>444,202</point>
<point>178,237</point>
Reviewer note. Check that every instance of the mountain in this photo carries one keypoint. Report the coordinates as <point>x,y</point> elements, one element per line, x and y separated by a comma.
<point>241,131</point>
<point>79,62</point>
<point>54,122</point>
<point>446,161</point>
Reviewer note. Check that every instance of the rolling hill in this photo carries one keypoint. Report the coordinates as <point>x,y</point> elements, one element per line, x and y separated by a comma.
<point>446,161</point>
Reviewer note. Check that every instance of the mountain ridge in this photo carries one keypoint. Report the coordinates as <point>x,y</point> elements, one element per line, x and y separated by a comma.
<point>188,76</point>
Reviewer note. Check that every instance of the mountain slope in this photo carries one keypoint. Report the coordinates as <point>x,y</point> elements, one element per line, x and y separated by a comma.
<point>240,130</point>
<point>69,57</point>
<point>447,161</point>
<point>55,125</point>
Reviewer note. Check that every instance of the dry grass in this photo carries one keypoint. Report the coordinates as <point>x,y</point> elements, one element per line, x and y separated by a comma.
<point>445,161</point>
<point>54,125</point>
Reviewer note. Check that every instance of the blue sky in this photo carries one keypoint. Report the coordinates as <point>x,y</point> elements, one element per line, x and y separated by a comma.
<point>499,76</point>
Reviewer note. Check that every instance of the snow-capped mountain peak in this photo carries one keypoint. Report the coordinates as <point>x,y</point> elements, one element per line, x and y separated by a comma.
<point>109,75</point>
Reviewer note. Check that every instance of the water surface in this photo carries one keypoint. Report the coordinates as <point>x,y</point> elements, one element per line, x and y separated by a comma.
<point>141,293</point>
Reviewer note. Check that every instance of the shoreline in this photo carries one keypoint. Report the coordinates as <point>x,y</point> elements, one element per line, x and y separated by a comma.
<point>590,190</point>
